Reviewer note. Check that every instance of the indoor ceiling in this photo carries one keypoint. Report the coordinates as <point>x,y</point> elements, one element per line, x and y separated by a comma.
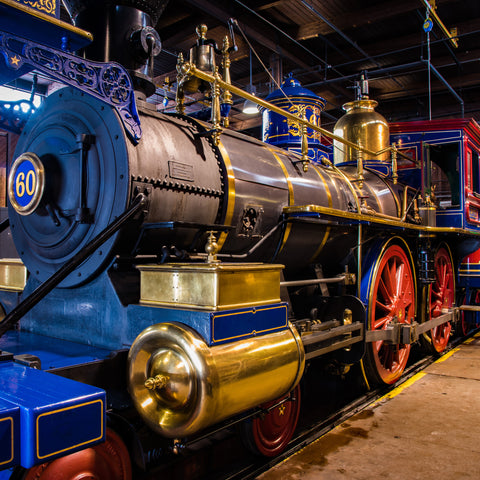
<point>328,44</point>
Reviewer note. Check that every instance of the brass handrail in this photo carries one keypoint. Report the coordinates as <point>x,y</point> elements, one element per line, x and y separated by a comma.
<point>188,69</point>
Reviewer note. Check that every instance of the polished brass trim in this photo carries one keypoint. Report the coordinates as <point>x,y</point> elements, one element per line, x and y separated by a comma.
<point>364,375</point>
<point>350,185</point>
<point>231,193</point>
<point>291,199</point>
<point>47,18</point>
<point>188,69</point>
<point>396,198</point>
<point>330,203</point>
<point>13,275</point>
<point>373,219</point>
<point>208,384</point>
<point>210,286</point>
<point>327,188</point>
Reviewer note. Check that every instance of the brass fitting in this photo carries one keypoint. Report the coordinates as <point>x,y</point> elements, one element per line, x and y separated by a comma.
<point>211,248</point>
<point>156,383</point>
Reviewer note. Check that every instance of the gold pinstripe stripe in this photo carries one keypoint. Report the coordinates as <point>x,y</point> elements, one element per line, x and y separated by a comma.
<point>291,199</point>
<point>330,204</point>
<point>231,193</point>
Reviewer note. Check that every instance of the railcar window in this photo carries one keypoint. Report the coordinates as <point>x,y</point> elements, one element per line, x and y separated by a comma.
<point>475,171</point>
<point>444,174</point>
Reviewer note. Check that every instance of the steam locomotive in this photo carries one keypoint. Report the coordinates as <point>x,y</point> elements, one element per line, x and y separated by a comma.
<point>175,275</point>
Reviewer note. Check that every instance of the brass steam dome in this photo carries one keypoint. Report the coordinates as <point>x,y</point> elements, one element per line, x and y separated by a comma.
<point>363,126</point>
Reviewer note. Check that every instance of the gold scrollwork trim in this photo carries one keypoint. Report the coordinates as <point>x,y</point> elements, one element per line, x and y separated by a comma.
<point>46,18</point>
<point>47,6</point>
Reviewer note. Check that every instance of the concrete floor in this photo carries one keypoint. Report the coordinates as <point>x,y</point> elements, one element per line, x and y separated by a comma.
<point>428,428</point>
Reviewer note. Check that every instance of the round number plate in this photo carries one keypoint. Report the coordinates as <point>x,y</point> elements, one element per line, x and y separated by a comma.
<point>26,183</point>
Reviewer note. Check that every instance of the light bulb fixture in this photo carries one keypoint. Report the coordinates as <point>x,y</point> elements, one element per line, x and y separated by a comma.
<point>249,107</point>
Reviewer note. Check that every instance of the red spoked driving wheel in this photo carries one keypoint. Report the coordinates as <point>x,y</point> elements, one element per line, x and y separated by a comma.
<point>441,299</point>
<point>269,434</point>
<point>392,299</point>
<point>107,461</point>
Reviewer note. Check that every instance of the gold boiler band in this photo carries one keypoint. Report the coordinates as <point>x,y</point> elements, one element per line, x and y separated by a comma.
<point>180,385</point>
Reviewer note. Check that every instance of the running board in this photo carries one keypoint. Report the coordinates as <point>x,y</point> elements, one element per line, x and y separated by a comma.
<point>469,308</point>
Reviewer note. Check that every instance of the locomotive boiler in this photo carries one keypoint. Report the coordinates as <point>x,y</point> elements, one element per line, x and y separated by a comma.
<point>200,269</point>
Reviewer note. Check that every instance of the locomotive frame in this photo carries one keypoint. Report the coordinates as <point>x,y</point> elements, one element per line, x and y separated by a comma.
<point>225,334</point>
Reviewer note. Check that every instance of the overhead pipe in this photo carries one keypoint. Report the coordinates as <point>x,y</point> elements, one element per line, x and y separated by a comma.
<point>450,88</point>
<point>379,71</point>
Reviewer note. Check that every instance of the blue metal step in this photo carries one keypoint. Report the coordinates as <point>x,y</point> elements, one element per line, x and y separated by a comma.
<point>57,416</point>
<point>9,434</point>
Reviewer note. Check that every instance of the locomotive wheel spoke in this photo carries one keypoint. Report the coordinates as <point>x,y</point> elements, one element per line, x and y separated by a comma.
<point>269,434</point>
<point>441,296</point>
<point>107,461</point>
<point>381,323</point>
<point>391,299</point>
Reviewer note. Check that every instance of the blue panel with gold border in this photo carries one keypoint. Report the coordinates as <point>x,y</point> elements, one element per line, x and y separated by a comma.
<point>216,327</point>
<point>232,325</point>
<point>9,434</point>
<point>57,415</point>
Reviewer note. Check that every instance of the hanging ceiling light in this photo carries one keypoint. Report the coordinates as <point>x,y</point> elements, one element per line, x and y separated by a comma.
<point>249,107</point>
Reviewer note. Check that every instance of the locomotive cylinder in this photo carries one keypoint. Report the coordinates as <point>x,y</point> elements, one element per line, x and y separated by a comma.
<point>179,385</point>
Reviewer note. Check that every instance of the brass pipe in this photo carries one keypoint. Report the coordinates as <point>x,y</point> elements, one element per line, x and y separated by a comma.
<point>347,181</point>
<point>190,69</point>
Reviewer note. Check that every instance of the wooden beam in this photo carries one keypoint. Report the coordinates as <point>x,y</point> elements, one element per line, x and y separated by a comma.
<point>254,33</point>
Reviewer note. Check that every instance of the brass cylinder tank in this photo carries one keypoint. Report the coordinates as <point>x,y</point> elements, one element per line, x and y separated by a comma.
<point>363,126</point>
<point>180,385</point>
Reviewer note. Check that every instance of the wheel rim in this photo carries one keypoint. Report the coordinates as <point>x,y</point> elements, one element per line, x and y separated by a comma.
<point>392,298</point>
<point>476,301</point>
<point>464,320</point>
<point>272,432</point>
<point>106,461</point>
<point>441,297</point>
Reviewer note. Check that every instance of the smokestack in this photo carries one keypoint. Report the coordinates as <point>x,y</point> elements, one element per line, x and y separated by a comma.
<point>123,32</point>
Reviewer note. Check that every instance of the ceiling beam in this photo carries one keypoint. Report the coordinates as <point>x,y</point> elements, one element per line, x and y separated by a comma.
<point>224,16</point>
